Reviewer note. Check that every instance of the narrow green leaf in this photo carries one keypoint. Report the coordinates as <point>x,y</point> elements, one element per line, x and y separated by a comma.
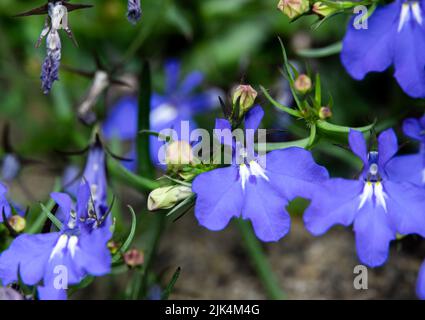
<point>288,110</point>
<point>329,127</point>
<point>166,293</point>
<point>302,143</point>
<point>130,237</point>
<point>312,137</point>
<point>318,91</point>
<point>332,49</point>
<point>183,206</point>
<point>52,217</point>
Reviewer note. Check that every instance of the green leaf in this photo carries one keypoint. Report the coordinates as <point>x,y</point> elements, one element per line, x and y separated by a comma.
<point>329,127</point>
<point>332,49</point>
<point>288,110</point>
<point>183,206</point>
<point>166,293</point>
<point>302,143</point>
<point>318,91</point>
<point>130,237</point>
<point>52,217</point>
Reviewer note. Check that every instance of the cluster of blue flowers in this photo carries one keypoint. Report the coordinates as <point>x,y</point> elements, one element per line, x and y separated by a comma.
<point>385,201</point>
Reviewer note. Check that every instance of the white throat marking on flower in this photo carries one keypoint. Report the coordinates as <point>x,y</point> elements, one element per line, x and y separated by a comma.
<point>254,170</point>
<point>371,189</point>
<point>409,9</point>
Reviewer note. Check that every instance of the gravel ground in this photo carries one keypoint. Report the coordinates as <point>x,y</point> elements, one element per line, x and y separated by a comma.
<point>214,265</point>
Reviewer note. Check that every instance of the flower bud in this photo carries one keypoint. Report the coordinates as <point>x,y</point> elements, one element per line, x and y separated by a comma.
<point>134,258</point>
<point>322,9</point>
<point>293,8</point>
<point>302,84</point>
<point>113,246</point>
<point>18,223</point>
<point>325,112</point>
<point>178,153</point>
<point>167,197</point>
<point>246,95</point>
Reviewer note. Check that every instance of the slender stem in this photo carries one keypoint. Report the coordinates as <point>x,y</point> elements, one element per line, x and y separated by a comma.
<point>259,261</point>
<point>291,111</point>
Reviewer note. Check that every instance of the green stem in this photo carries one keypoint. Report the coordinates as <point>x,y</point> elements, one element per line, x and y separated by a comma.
<point>259,261</point>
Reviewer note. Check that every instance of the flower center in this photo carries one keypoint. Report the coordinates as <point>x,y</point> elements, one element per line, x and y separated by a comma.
<point>163,114</point>
<point>410,9</point>
<point>252,169</point>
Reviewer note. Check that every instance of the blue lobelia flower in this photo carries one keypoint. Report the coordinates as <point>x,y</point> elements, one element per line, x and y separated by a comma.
<point>4,203</point>
<point>395,35</point>
<point>178,103</point>
<point>78,249</point>
<point>411,167</point>
<point>379,206</point>
<point>134,11</point>
<point>95,175</point>
<point>420,285</point>
<point>258,189</point>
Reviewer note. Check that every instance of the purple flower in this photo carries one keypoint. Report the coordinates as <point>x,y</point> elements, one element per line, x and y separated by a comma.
<point>95,175</point>
<point>78,249</point>
<point>411,167</point>
<point>178,103</point>
<point>420,286</point>
<point>4,203</point>
<point>395,35</point>
<point>378,206</point>
<point>253,191</point>
<point>134,11</point>
<point>49,71</point>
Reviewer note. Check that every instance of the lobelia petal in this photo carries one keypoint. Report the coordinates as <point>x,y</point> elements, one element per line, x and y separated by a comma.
<point>387,147</point>
<point>406,207</point>
<point>374,231</point>
<point>64,202</point>
<point>253,117</point>
<point>49,292</point>
<point>29,254</point>
<point>93,255</point>
<point>406,168</point>
<point>420,284</point>
<point>413,128</point>
<point>409,61</point>
<point>122,120</point>
<point>266,210</point>
<point>192,81</point>
<point>335,203</point>
<point>219,197</point>
<point>293,172</point>
<point>358,145</point>
<point>371,49</point>
<point>172,75</point>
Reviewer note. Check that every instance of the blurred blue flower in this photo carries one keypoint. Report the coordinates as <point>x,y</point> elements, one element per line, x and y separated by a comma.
<point>4,203</point>
<point>178,103</point>
<point>77,249</point>
<point>254,191</point>
<point>134,11</point>
<point>411,167</point>
<point>394,35</point>
<point>380,207</point>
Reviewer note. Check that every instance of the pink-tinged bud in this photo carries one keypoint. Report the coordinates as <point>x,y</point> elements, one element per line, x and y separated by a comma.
<point>167,197</point>
<point>293,8</point>
<point>178,153</point>
<point>18,223</point>
<point>134,258</point>
<point>322,9</point>
<point>302,84</point>
<point>246,95</point>
<point>325,113</point>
